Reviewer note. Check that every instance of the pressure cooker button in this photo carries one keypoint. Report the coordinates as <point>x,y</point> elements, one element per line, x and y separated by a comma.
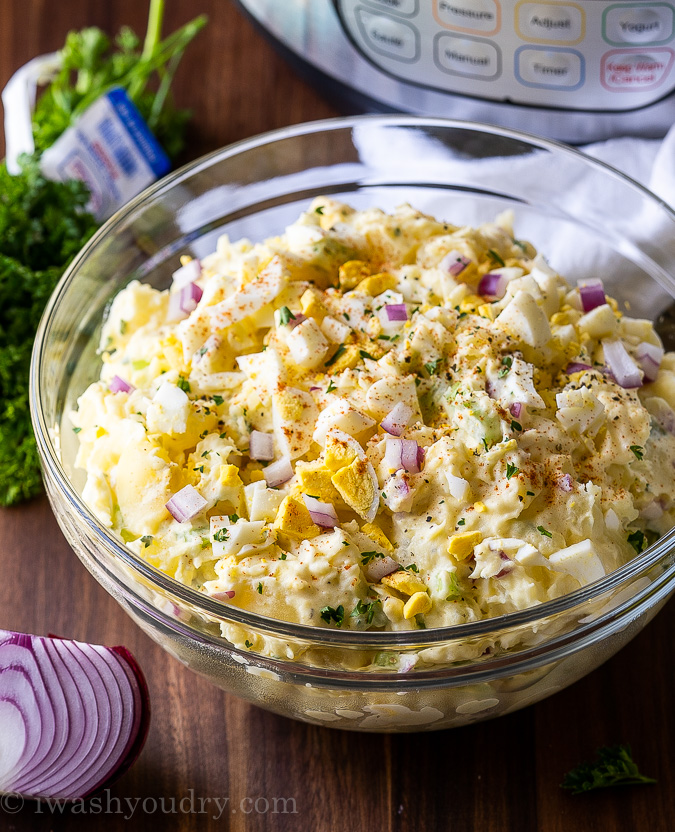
<point>407,7</point>
<point>550,22</point>
<point>469,15</point>
<point>639,24</point>
<point>387,36</point>
<point>468,57</point>
<point>634,71</point>
<point>562,69</point>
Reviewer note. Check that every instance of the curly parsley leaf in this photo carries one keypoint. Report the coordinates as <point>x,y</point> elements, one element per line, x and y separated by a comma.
<point>614,766</point>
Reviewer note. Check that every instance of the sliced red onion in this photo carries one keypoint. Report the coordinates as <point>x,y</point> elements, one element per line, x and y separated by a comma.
<point>225,595</point>
<point>649,357</point>
<point>296,321</point>
<point>565,482</point>
<point>397,420</point>
<point>184,301</point>
<point>396,311</point>
<point>377,568</point>
<point>516,409</point>
<point>592,294</point>
<point>493,284</point>
<point>278,472</point>
<point>119,385</point>
<point>187,274</point>
<point>186,504</point>
<point>625,371</point>
<point>261,446</point>
<point>314,389</point>
<point>454,263</point>
<point>323,514</point>
<point>403,453</point>
<point>73,716</point>
<point>577,367</point>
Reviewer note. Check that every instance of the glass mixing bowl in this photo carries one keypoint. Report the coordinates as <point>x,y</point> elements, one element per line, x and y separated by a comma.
<point>580,213</point>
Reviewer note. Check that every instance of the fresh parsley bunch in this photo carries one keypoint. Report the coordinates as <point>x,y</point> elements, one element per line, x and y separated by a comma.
<point>44,224</point>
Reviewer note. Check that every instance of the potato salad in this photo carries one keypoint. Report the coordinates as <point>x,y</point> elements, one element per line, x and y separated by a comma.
<point>379,421</point>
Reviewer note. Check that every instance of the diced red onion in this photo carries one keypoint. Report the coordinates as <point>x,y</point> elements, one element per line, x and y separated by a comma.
<point>652,511</point>
<point>186,504</point>
<point>261,446</point>
<point>226,594</point>
<point>649,356</point>
<point>73,716</point>
<point>278,472</point>
<point>187,274</point>
<point>296,321</point>
<point>323,514</point>
<point>184,301</point>
<point>592,294</point>
<point>396,311</point>
<point>516,409</point>
<point>407,661</point>
<point>577,367</point>
<point>454,263</point>
<point>404,453</point>
<point>492,284</point>
<point>377,568</point>
<point>565,482</point>
<point>397,420</point>
<point>314,389</point>
<point>625,371</point>
<point>119,385</point>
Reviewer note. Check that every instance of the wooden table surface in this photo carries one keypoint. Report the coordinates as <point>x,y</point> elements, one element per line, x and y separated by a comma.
<point>204,745</point>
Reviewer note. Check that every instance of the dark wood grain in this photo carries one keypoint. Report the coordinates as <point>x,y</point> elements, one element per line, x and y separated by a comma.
<point>205,745</point>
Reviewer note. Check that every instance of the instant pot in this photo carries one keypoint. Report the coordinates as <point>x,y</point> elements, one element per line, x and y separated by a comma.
<point>577,71</point>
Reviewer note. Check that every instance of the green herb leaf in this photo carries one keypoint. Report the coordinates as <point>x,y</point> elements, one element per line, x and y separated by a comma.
<point>248,643</point>
<point>614,766</point>
<point>365,354</point>
<point>221,535</point>
<point>335,355</point>
<point>146,540</point>
<point>184,384</point>
<point>511,470</point>
<point>331,386</point>
<point>516,425</point>
<point>432,367</point>
<point>496,257</point>
<point>336,615</point>
<point>544,531</point>
<point>76,430</point>
<point>638,450</point>
<point>366,557</point>
<point>285,316</point>
<point>638,541</point>
<point>366,610</point>
<point>218,400</point>
<point>260,588</point>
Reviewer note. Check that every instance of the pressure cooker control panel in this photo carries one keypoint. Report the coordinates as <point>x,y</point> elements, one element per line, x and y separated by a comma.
<point>588,55</point>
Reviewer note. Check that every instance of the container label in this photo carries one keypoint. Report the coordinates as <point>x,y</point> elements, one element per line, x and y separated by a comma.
<point>111,149</point>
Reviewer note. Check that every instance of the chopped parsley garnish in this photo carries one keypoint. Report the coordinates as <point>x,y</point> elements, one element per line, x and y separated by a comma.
<point>529,493</point>
<point>365,609</point>
<point>638,450</point>
<point>146,540</point>
<point>218,400</point>
<point>331,387</point>
<point>183,383</point>
<point>461,522</point>
<point>259,589</point>
<point>485,444</point>
<point>233,518</point>
<point>614,766</point>
<point>511,470</point>
<point>319,210</point>
<point>221,535</point>
<point>248,643</point>
<point>336,615</point>
<point>432,367</point>
<point>520,245</point>
<point>507,361</point>
<point>76,430</point>
<point>123,327</point>
<point>365,354</point>
<point>199,468</point>
<point>413,567</point>
<point>338,352</point>
<point>285,316</point>
<point>544,531</point>
<point>638,541</point>
<point>496,257</point>
<point>366,557</point>
<point>516,425</point>
<point>282,556</point>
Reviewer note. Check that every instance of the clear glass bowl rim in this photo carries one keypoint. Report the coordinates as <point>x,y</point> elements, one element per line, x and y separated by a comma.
<point>215,609</point>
